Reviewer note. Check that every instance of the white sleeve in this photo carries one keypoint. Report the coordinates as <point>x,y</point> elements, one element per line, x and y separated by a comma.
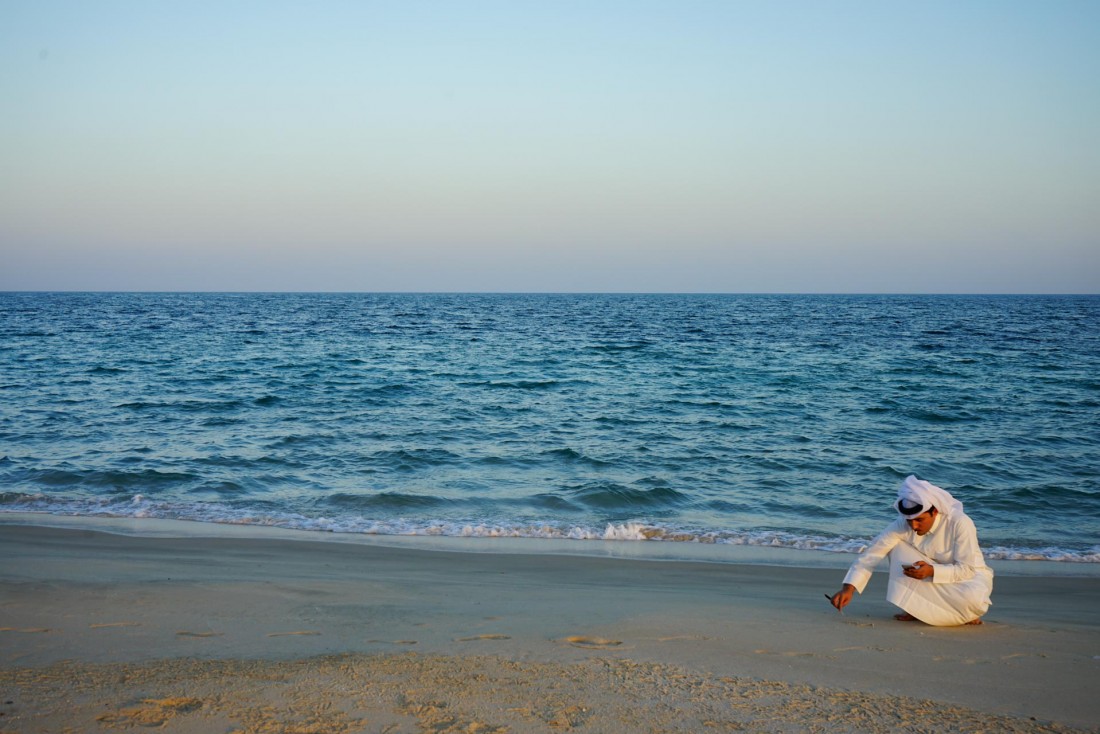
<point>860,572</point>
<point>964,549</point>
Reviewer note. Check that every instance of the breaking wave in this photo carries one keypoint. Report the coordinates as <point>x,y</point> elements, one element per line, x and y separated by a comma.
<point>269,515</point>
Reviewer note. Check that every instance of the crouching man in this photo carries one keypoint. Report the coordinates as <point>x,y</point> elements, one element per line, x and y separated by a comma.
<point>937,573</point>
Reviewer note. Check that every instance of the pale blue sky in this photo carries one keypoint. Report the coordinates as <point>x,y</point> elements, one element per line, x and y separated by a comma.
<point>934,146</point>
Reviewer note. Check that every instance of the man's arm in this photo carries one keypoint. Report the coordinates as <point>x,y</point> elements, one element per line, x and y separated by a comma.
<point>860,572</point>
<point>967,557</point>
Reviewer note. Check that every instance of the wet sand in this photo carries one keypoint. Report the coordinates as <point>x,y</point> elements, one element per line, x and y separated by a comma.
<point>102,632</point>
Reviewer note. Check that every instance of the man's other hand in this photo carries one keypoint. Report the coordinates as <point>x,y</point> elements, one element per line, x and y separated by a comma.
<point>919,570</point>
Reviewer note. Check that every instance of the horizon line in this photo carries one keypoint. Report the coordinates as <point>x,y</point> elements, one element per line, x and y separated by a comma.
<point>542,292</point>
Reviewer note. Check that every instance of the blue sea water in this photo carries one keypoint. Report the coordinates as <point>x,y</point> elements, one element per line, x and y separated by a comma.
<point>760,420</point>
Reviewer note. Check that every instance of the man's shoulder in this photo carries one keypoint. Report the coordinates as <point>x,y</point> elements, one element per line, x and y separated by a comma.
<point>897,526</point>
<point>961,521</point>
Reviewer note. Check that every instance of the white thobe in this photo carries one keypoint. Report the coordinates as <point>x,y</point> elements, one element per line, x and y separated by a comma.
<point>959,589</point>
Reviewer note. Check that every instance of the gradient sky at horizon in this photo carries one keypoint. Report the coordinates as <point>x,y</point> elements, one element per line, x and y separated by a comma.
<point>779,146</point>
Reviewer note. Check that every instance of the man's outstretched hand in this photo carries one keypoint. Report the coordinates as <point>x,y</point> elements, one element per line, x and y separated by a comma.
<point>841,598</point>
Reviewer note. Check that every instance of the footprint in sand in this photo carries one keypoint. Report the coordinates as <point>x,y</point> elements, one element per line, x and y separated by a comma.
<point>964,661</point>
<point>787,654</point>
<point>103,625</point>
<point>392,642</point>
<point>291,634</point>
<point>199,634</point>
<point>592,643</point>
<point>483,637</point>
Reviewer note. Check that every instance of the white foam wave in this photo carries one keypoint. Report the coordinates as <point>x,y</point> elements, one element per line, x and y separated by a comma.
<point>140,506</point>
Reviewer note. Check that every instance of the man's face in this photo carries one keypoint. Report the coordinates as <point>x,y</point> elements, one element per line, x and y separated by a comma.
<point>922,523</point>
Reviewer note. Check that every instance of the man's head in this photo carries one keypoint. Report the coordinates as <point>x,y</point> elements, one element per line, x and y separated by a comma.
<point>917,497</point>
<point>922,523</point>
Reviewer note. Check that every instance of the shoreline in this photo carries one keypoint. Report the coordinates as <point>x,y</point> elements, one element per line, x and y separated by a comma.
<point>104,601</point>
<point>641,550</point>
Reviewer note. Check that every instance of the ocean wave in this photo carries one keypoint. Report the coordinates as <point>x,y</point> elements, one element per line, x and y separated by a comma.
<point>387,389</point>
<point>609,495</point>
<point>572,455</point>
<point>384,501</point>
<point>103,370</point>
<point>184,406</point>
<point>941,415</point>
<point>225,488</point>
<point>108,480</point>
<point>998,553</point>
<point>407,459</point>
<point>269,515</point>
<point>524,384</point>
<point>623,347</point>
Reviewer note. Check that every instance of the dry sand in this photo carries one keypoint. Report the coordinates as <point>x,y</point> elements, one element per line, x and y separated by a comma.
<point>102,632</point>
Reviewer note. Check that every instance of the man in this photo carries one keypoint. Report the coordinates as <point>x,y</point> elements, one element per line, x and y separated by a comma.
<point>937,572</point>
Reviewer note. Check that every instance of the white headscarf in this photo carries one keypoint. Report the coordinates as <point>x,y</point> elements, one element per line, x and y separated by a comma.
<point>915,492</point>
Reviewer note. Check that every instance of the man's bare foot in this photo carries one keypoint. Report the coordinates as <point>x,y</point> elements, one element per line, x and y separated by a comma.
<point>906,617</point>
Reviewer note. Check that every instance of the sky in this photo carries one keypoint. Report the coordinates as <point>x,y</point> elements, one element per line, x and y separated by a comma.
<point>941,146</point>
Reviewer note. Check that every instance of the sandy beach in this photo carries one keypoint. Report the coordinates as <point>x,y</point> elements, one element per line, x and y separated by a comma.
<point>110,632</point>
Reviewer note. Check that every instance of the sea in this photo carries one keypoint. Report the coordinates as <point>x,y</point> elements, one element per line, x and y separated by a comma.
<point>783,421</point>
